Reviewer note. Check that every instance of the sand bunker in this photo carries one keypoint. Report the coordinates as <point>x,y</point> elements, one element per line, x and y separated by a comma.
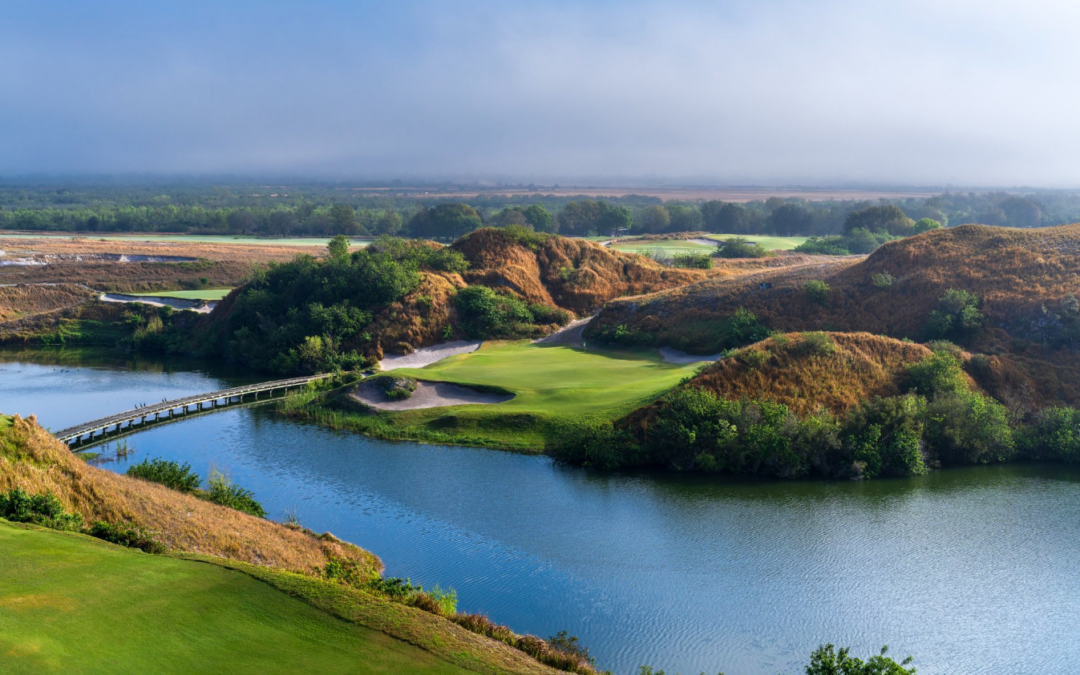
<point>427,395</point>
<point>429,355</point>
<point>570,334</point>
<point>200,306</point>
<point>704,242</point>
<point>675,356</point>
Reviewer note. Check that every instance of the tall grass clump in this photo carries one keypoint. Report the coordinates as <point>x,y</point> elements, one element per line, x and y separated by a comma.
<point>166,472</point>
<point>42,509</point>
<point>221,490</point>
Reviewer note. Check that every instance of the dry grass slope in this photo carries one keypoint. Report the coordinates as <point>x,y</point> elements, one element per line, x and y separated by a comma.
<point>32,459</point>
<point>17,302</point>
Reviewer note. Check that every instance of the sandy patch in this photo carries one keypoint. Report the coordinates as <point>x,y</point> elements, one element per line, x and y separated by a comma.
<point>427,395</point>
<point>705,242</point>
<point>675,356</point>
<point>200,306</point>
<point>429,355</point>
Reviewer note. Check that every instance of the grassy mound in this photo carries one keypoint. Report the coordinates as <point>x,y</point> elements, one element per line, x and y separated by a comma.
<point>75,604</point>
<point>31,459</point>
<point>807,372</point>
<point>1023,283</point>
<point>17,302</point>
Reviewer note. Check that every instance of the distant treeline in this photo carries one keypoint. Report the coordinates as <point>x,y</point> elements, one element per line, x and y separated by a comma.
<point>325,211</point>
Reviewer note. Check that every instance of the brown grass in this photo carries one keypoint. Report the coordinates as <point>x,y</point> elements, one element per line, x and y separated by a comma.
<point>1015,272</point>
<point>30,458</point>
<point>17,302</point>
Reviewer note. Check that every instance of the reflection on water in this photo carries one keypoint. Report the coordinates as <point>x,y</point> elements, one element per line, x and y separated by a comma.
<point>970,570</point>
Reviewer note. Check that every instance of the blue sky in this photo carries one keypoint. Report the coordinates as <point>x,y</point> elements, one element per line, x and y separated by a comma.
<point>773,92</point>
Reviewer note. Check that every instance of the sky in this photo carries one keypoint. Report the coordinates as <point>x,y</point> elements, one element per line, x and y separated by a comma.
<point>766,92</point>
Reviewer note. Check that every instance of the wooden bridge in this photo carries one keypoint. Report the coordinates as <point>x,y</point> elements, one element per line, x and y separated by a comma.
<point>150,414</point>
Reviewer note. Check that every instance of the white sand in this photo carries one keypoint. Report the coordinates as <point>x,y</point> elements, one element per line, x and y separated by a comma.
<point>175,303</point>
<point>429,355</point>
<point>427,395</point>
<point>675,356</point>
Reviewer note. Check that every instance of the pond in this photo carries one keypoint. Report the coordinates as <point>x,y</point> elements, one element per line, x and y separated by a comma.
<point>970,570</point>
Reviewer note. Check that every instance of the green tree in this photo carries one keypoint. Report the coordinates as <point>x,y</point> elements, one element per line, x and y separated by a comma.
<point>445,221</point>
<point>654,219</point>
<point>344,218</point>
<point>889,219</point>
<point>338,247</point>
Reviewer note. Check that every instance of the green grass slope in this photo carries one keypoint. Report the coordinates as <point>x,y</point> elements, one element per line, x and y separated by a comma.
<point>73,604</point>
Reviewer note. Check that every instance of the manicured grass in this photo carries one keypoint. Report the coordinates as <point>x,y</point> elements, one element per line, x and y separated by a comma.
<point>768,243</point>
<point>205,294</point>
<point>553,385</point>
<point>668,246</point>
<point>72,604</point>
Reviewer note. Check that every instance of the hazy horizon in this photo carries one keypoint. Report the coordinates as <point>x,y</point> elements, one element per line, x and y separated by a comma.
<point>778,93</point>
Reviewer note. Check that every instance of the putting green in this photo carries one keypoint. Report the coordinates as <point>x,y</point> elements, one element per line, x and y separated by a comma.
<point>205,294</point>
<point>667,246</point>
<point>768,243</point>
<point>72,604</point>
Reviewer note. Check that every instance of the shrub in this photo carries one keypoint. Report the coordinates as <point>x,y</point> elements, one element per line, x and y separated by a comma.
<point>1054,434</point>
<point>544,314</point>
<point>941,372</point>
<point>753,359</point>
<point>42,509</point>
<point>957,316</point>
<point>221,490</point>
<point>817,291</point>
<point>701,261</point>
<point>596,445</point>
<point>396,388</point>
<point>127,534</point>
<point>737,247</point>
<point>826,660</point>
<point>823,246</point>
<point>882,279</point>
<point>487,314</point>
<point>168,473</point>
<point>348,572</point>
<point>570,644</point>
<point>884,437</point>
<point>816,344</point>
<point>966,427</point>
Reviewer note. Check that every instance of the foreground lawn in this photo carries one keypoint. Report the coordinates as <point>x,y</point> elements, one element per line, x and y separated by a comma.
<point>205,294</point>
<point>768,243</point>
<point>72,604</point>
<point>553,386</point>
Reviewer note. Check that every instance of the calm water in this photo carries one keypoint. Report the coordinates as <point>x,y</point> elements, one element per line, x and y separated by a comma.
<point>971,570</point>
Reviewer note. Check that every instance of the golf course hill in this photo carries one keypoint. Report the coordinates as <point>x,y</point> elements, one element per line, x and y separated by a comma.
<point>395,296</point>
<point>219,586</point>
<point>1007,294</point>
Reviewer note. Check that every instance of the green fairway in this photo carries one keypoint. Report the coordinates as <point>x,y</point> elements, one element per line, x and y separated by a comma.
<point>71,604</point>
<point>667,246</point>
<point>768,243</point>
<point>553,386</point>
<point>205,294</point>
<point>560,379</point>
<point>191,238</point>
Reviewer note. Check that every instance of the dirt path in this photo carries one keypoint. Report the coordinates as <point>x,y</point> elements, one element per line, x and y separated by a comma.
<point>429,355</point>
<point>427,395</point>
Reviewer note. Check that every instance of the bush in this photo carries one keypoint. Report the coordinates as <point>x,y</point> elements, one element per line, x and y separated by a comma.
<point>348,572</point>
<point>816,344</point>
<point>396,388</point>
<point>827,661</point>
<point>957,316</point>
<point>487,314</point>
<point>543,314</point>
<point>1054,434</point>
<point>597,445</point>
<point>127,534</point>
<point>823,246</point>
<point>817,291</point>
<point>701,261</point>
<point>221,490</point>
<point>884,437</point>
<point>966,427</point>
<point>168,473</point>
<point>882,279</point>
<point>752,359</point>
<point>941,372</point>
<point>42,509</point>
<point>737,247</point>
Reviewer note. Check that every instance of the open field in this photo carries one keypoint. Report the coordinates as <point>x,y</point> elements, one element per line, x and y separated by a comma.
<point>76,604</point>
<point>205,294</point>
<point>768,243</point>
<point>183,238</point>
<point>553,385</point>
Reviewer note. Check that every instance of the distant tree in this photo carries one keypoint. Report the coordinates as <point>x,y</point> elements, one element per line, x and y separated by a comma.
<point>242,222</point>
<point>344,219</point>
<point>654,219</point>
<point>684,218</point>
<point>889,218</point>
<point>589,217</point>
<point>1021,212</point>
<point>709,212</point>
<point>388,223</point>
<point>511,215</point>
<point>926,224</point>
<point>540,218</point>
<point>731,219</point>
<point>790,219</point>
<point>447,221</point>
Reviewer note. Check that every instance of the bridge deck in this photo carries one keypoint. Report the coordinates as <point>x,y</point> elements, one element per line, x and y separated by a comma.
<point>129,416</point>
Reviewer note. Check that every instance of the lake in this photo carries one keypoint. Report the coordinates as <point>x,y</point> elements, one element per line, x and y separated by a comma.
<point>970,570</point>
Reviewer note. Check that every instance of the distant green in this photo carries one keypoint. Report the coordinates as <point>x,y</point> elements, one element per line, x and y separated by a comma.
<point>768,243</point>
<point>72,604</point>
<point>205,294</point>
<point>666,246</point>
